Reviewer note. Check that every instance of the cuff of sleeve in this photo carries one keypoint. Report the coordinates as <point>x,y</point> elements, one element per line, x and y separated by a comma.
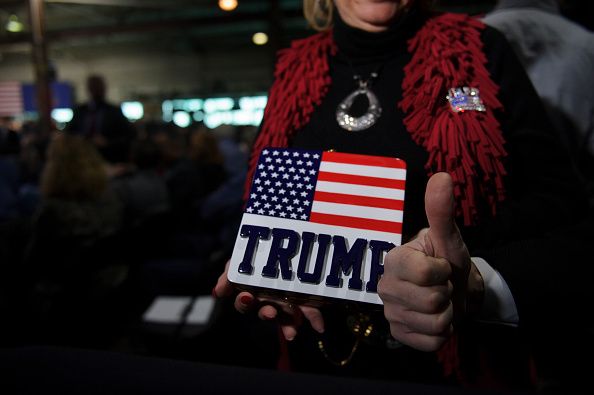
<point>498,302</point>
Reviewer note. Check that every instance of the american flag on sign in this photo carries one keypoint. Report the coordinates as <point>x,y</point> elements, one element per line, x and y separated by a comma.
<point>346,190</point>
<point>319,224</point>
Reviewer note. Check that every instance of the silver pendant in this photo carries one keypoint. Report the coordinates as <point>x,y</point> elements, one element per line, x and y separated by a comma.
<point>365,121</point>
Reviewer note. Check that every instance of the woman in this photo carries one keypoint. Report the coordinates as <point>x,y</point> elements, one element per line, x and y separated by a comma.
<point>446,94</point>
<point>74,259</point>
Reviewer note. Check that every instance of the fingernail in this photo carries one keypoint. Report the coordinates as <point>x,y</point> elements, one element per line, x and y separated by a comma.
<point>269,316</point>
<point>245,299</point>
<point>289,338</point>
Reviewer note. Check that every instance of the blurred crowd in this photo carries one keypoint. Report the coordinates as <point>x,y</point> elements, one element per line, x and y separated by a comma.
<point>88,239</point>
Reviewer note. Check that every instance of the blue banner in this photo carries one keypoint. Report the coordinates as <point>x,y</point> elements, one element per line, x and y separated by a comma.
<point>61,96</point>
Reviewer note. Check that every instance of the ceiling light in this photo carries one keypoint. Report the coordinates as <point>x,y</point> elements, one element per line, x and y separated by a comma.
<point>260,38</point>
<point>228,5</point>
<point>14,25</point>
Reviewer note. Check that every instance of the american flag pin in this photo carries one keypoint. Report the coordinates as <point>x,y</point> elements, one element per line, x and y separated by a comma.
<point>465,98</point>
<point>319,223</point>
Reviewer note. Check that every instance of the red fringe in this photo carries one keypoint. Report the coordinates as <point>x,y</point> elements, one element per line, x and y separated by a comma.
<point>449,358</point>
<point>302,79</point>
<point>468,145</point>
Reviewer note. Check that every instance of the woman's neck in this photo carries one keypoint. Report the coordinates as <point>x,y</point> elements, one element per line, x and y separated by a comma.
<point>358,45</point>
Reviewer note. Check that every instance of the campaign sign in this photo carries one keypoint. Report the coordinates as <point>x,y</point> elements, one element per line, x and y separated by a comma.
<point>318,224</point>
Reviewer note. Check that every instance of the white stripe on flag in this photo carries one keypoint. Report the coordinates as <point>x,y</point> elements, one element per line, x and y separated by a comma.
<point>349,210</point>
<point>361,190</point>
<point>362,170</point>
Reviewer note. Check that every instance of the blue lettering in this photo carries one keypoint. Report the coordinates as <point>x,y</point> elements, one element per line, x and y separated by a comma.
<point>286,244</point>
<point>377,267</point>
<point>308,239</point>
<point>346,261</point>
<point>281,256</point>
<point>254,234</point>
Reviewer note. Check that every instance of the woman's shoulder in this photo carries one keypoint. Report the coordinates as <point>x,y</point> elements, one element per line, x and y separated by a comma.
<point>451,21</point>
<point>311,40</point>
<point>306,49</point>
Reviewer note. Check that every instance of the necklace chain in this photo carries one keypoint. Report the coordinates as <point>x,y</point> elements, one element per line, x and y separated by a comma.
<point>367,82</point>
<point>362,328</point>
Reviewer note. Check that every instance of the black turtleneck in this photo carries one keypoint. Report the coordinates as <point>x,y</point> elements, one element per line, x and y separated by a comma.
<point>363,48</point>
<point>361,53</point>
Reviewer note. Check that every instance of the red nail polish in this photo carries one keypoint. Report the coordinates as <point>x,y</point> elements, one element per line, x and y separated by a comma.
<point>245,299</point>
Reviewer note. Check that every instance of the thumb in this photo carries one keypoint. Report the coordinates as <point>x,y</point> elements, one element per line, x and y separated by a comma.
<point>445,238</point>
<point>443,235</point>
<point>439,206</point>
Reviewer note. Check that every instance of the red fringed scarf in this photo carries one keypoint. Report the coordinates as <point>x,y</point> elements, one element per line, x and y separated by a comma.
<point>447,53</point>
<point>468,145</point>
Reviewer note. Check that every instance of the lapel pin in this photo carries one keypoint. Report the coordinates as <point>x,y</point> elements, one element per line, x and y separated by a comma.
<point>465,99</point>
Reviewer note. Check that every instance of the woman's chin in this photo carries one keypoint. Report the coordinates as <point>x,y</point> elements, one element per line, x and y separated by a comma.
<point>378,15</point>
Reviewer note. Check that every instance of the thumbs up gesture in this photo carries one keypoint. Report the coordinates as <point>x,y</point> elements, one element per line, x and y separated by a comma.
<point>430,280</point>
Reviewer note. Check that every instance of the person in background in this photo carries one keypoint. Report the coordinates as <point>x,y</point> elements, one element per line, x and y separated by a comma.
<point>9,180</point>
<point>144,195</point>
<point>194,176</point>
<point>222,208</point>
<point>141,189</point>
<point>103,123</point>
<point>72,255</point>
<point>9,172</point>
<point>9,138</point>
<point>558,55</point>
<point>483,262</point>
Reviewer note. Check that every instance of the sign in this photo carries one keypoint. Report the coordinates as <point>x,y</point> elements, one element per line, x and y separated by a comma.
<point>319,224</point>
<point>61,96</point>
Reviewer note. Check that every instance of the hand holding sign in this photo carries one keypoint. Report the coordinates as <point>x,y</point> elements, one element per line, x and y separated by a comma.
<point>290,316</point>
<point>315,228</point>
<point>317,225</point>
<point>429,279</point>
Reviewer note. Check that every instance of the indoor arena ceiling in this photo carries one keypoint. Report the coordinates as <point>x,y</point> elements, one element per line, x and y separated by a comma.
<point>178,25</point>
<point>188,25</point>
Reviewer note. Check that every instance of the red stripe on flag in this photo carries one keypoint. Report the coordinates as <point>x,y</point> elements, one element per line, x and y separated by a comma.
<point>357,223</point>
<point>360,180</point>
<point>358,200</point>
<point>365,160</point>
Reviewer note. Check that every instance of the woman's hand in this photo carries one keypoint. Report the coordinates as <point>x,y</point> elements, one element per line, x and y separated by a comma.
<point>289,316</point>
<point>430,280</point>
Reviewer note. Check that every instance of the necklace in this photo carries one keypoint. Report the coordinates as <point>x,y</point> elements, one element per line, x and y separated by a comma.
<point>362,328</point>
<point>374,110</point>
